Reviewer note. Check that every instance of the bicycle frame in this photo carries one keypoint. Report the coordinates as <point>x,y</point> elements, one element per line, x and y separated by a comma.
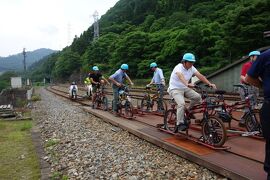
<point>149,99</point>
<point>125,102</point>
<point>226,110</point>
<point>212,128</point>
<point>100,98</point>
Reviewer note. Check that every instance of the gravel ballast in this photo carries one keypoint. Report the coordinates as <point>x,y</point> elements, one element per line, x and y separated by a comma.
<point>81,146</point>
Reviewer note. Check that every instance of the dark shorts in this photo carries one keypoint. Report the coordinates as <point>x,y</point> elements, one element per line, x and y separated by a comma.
<point>265,119</point>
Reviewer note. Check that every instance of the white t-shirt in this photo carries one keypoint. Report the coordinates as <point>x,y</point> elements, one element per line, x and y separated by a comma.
<point>175,82</point>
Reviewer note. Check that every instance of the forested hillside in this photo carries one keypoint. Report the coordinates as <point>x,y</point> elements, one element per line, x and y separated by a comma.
<point>138,32</point>
<point>15,62</point>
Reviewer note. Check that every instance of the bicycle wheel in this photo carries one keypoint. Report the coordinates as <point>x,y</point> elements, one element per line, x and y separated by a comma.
<point>128,109</point>
<point>97,103</point>
<point>145,105</point>
<point>170,120</point>
<point>252,123</point>
<point>104,103</point>
<point>162,108</point>
<point>213,131</point>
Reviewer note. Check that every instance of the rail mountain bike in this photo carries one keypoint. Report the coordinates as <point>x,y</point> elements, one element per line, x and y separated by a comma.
<point>151,101</point>
<point>124,105</point>
<point>225,110</point>
<point>101,101</point>
<point>211,127</point>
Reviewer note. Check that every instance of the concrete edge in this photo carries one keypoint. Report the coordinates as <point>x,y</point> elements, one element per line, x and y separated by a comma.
<point>45,169</point>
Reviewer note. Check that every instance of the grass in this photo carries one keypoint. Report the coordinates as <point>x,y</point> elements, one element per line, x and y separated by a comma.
<point>18,158</point>
<point>36,97</point>
<point>51,142</point>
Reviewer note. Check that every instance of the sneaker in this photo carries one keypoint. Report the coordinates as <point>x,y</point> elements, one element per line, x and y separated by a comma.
<point>242,123</point>
<point>93,106</point>
<point>181,127</point>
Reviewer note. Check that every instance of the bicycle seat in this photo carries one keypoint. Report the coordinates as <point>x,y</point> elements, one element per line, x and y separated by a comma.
<point>221,92</point>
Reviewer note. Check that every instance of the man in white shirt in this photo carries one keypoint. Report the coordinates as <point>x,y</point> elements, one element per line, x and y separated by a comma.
<point>179,87</point>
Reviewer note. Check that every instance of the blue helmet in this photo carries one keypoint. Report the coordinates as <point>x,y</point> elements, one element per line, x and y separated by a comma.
<point>153,64</point>
<point>254,53</point>
<point>189,57</point>
<point>95,68</point>
<point>124,66</point>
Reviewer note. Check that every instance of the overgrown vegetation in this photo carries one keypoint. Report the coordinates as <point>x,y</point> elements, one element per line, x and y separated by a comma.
<point>18,158</point>
<point>5,79</point>
<point>36,97</point>
<point>138,32</point>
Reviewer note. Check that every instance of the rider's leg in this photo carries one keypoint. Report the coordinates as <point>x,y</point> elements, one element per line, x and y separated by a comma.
<point>178,96</point>
<point>94,89</point>
<point>195,98</point>
<point>86,87</point>
<point>160,98</point>
<point>264,117</point>
<point>90,89</point>
<point>242,96</point>
<point>115,97</point>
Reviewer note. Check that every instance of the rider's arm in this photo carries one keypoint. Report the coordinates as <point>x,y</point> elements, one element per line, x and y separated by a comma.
<point>181,78</point>
<point>242,79</point>
<point>114,81</point>
<point>152,81</point>
<point>243,73</point>
<point>92,81</point>
<point>107,82</point>
<point>162,77</point>
<point>203,79</point>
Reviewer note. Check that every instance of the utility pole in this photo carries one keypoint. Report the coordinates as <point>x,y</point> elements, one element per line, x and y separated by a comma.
<point>24,57</point>
<point>96,25</point>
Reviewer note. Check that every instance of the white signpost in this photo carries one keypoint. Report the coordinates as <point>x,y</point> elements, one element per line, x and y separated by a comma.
<point>16,82</point>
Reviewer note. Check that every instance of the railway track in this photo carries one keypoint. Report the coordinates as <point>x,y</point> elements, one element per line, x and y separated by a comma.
<point>244,153</point>
<point>137,93</point>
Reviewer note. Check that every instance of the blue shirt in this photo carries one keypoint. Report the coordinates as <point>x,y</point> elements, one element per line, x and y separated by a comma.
<point>261,68</point>
<point>119,76</point>
<point>158,76</point>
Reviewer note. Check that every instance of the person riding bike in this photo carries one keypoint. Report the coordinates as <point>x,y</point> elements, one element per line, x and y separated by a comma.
<point>97,80</point>
<point>117,79</point>
<point>88,85</point>
<point>180,88</point>
<point>159,80</point>
<point>73,88</point>
<point>253,55</point>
